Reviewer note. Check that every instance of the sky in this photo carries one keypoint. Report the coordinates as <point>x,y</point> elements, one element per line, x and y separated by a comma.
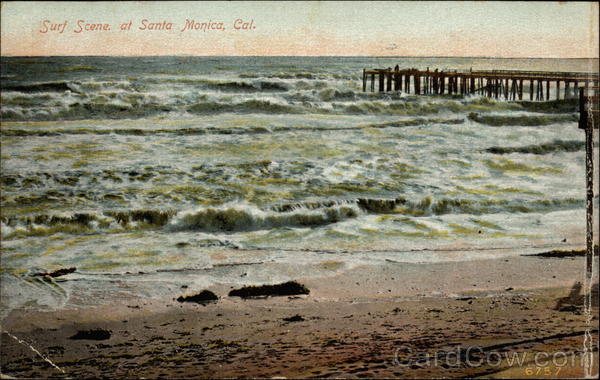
<point>312,28</point>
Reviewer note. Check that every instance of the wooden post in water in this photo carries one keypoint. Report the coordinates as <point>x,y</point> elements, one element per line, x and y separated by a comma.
<point>372,82</point>
<point>381,80</point>
<point>389,79</point>
<point>499,88</point>
<point>400,82</point>
<point>431,83</point>
<point>416,84</point>
<point>531,89</point>
<point>547,90</point>
<point>557,90</point>
<point>496,87</point>
<point>588,121</point>
<point>521,89</point>
<point>513,90</point>
<point>364,80</point>
<point>396,78</point>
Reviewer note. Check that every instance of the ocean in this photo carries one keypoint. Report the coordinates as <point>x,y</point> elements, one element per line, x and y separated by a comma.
<point>149,173</point>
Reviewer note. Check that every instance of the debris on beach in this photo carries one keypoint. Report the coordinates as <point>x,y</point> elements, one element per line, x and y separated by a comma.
<point>96,334</point>
<point>286,289</point>
<point>576,309</point>
<point>559,253</point>
<point>202,297</point>
<point>295,318</point>
<point>57,273</point>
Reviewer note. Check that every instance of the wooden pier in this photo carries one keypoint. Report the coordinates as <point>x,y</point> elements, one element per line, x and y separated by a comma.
<point>498,84</point>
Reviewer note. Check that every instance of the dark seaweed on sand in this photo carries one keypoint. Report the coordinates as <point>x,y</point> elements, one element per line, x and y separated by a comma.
<point>286,289</point>
<point>97,334</point>
<point>560,253</point>
<point>295,318</point>
<point>204,296</point>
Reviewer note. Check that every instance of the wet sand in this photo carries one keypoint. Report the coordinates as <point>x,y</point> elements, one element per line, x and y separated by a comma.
<point>392,320</point>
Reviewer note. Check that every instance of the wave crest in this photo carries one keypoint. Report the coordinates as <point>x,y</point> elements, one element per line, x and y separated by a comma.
<point>554,146</point>
<point>521,120</point>
<point>236,218</point>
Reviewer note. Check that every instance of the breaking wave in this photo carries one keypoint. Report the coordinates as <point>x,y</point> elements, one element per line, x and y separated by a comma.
<point>249,106</point>
<point>521,120</point>
<point>148,97</point>
<point>554,146</point>
<point>40,87</point>
<point>240,217</point>
<point>248,218</point>
<point>222,131</point>
<point>225,85</point>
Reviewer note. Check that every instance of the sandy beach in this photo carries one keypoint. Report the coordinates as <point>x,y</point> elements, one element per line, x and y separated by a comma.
<point>396,320</point>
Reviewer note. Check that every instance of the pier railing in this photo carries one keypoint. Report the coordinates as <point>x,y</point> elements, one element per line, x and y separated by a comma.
<point>499,84</point>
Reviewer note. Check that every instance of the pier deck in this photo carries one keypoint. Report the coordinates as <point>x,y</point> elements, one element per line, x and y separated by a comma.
<point>499,84</point>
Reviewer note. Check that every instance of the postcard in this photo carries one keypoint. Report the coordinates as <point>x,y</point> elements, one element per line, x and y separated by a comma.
<point>304,189</point>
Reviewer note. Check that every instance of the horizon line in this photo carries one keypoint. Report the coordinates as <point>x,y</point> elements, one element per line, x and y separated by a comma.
<point>303,56</point>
